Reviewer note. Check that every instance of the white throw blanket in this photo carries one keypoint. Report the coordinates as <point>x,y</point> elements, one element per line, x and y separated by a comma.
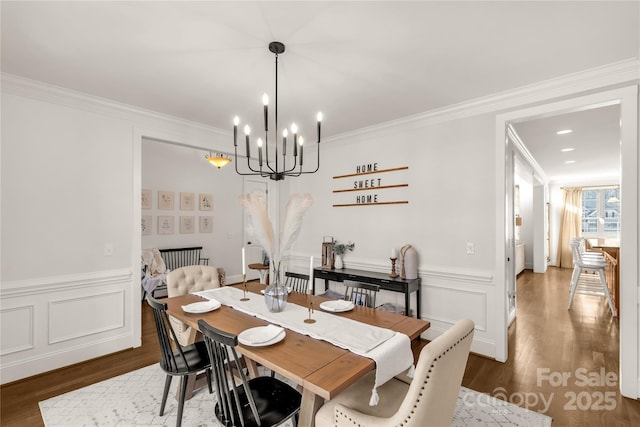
<point>389,349</point>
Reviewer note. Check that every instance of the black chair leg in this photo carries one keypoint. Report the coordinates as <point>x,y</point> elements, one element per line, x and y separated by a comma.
<point>183,392</point>
<point>208,372</point>
<point>167,384</point>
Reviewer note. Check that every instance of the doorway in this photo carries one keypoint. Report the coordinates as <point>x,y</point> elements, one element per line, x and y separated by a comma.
<point>254,252</point>
<point>627,99</point>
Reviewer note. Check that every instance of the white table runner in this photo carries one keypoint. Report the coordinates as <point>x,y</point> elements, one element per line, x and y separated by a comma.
<point>389,349</point>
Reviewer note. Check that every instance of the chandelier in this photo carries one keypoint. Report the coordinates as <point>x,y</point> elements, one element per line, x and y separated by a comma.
<point>275,168</point>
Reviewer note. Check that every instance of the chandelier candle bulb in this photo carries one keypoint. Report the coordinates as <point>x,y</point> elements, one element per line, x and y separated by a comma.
<point>244,272</point>
<point>301,147</point>
<point>260,152</point>
<point>294,131</point>
<point>247,132</point>
<point>284,142</point>
<point>311,274</point>
<point>265,102</point>
<point>236,122</point>
<point>319,117</point>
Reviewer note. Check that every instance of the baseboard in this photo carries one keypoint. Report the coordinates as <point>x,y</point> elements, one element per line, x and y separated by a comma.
<point>28,367</point>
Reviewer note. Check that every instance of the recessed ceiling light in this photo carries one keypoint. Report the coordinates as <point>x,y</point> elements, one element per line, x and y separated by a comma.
<point>565,150</point>
<point>569,161</point>
<point>564,131</point>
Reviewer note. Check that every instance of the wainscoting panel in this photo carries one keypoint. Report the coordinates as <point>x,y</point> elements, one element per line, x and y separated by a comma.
<point>448,295</point>
<point>472,301</point>
<point>91,314</point>
<point>16,329</point>
<point>51,322</point>
<point>447,299</point>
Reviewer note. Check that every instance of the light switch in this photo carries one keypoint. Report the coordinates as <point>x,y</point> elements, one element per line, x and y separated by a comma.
<point>471,249</point>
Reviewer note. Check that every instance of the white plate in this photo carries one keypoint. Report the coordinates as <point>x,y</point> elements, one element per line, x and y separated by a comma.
<point>201,307</point>
<point>337,306</point>
<point>288,290</point>
<point>251,336</point>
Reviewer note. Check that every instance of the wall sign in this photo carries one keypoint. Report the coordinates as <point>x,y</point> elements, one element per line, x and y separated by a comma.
<point>371,185</point>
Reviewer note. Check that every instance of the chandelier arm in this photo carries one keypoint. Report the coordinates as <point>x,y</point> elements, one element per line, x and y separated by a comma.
<point>295,164</point>
<point>318,162</point>
<point>266,149</point>
<point>236,164</point>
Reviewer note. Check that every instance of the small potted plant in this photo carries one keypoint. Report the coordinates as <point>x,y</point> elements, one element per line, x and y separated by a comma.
<point>339,249</point>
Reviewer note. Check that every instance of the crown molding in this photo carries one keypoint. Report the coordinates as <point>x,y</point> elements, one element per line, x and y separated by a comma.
<point>22,86</point>
<point>583,81</point>
<point>595,78</point>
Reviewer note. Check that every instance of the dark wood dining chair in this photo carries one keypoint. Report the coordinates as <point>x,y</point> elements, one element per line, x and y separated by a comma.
<point>261,401</point>
<point>180,361</point>
<point>297,282</point>
<point>363,294</point>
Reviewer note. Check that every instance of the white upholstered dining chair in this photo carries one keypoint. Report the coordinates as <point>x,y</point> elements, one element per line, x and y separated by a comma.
<point>428,399</point>
<point>185,280</point>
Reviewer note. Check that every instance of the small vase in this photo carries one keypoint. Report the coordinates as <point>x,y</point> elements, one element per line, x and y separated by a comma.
<point>275,295</point>
<point>338,262</point>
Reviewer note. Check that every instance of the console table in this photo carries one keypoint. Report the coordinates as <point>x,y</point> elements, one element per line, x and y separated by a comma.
<point>406,286</point>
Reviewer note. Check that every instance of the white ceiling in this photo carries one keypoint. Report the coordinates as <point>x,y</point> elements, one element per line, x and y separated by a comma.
<point>594,143</point>
<point>361,63</point>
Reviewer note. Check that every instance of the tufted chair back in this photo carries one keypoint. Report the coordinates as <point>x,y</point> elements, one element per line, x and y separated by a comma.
<point>184,280</point>
<point>428,399</point>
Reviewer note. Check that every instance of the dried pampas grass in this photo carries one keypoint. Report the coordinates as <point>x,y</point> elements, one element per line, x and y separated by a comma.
<point>256,206</point>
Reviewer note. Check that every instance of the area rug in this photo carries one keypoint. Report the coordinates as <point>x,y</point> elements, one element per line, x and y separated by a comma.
<point>133,399</point>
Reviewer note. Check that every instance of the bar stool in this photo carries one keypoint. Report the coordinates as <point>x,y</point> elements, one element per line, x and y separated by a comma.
<point>584,282</point>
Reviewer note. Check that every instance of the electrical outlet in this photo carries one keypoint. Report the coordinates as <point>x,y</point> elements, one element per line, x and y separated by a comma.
<point>471,249</point>
<point>108,249</point>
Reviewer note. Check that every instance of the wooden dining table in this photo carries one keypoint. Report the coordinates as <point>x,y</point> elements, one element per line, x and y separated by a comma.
<point>320,368</point>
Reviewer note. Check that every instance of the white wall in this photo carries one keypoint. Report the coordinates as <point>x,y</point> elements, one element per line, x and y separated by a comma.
<point>68,174</point>
<point>170,167</point>
<point>451,202</point>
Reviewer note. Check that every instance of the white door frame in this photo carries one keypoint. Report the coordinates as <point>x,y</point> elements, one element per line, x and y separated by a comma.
<point>627,97</point>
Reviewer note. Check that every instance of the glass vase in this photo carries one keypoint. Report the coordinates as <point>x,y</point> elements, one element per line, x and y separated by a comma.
<point>275,295</point>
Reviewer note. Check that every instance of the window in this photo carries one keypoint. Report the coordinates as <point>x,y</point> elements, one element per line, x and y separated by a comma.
<point>601,212</point>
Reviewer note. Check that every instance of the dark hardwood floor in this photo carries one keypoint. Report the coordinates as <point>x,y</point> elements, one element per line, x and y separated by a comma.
<point>546,341</point>
<point>559,359</point>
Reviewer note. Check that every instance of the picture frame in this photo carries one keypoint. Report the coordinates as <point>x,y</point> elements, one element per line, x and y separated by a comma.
<point>206,202</point>
<point>165,224</point>
<point>146,196</point>
<point>165,200</point>
<point>146,224</point>
<point>206,224</point>
<point>187,201</point>
<point>187,224</point>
